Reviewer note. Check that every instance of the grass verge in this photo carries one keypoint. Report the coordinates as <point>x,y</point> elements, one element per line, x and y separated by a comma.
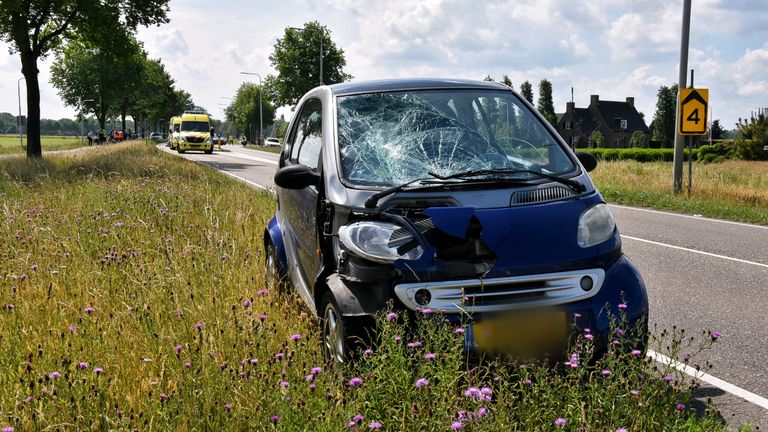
<point>132,298</point>
<point>9,144</point>
<point>735,190</point>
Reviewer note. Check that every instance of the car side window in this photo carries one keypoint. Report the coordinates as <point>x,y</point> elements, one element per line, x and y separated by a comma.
<point>308,137</point>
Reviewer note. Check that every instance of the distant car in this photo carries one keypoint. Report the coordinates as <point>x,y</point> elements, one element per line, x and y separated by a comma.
<point>272,142</point>
<point>156,136</point>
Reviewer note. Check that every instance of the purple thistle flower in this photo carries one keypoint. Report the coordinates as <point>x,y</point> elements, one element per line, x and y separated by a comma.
<point>686,357</point>
<point>605,372</point>
<point>83,365</point>
<point>622,306</point>
<point>576,315</point>
<point>356,382</point>
<point>228,406</point>
<point>311,387</point>
<point>636,353</point>
<point>456,425</point>
<point>199,325</point>
<point>262,291</point>
<point>295,337</point>
<point>398,338</point>
<point>8,429</point>
<point>481,412</point>
<point>316,370</point>
<point>634,392</point>
<point>429,356</point>
<point>187,365</point>
<point>262,317</point>
<point>54,375</point>
<point>284,384</point>
<point>486,393</point>
<point>163,396</point>
<point>72,327</point>
<point>254,361</point>
<point>619,331</point>
<point>279,355</point>
<point>247,304</point>
<point>368,352</point>
<point>422,382</point>
<point>560,421</point>
<point>668,378</point>
<point>275,419</point>
<point>589,336</point>
<point>9,306</point>
<point>309,378</point>
<point>680,406</point>
<point>358,418</point>
<point>374,425</point>
<point>459,330</point>
<point>426,311</point>
<point>351,424</point>
<point>527,382</point>
<point>621,430</point>
<point>715,335</point>
<point>88,309</point>
<point>178,348</point>
<point>34,267</point>
<point>391,316</point>
<point>472,393</point>
<point>98,371</point>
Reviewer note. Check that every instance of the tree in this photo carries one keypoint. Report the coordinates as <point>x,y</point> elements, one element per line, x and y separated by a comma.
<point>488,78</point>
<point>296,58</point>
<point>664,117</point>
<point>637,140</point>
<point>717,130</point>
<point>597,139</point>
<point>526,89</point>
<point>507,82</point>
<point>545,105</point>
<point>244,110</point>
<point>35,27</point>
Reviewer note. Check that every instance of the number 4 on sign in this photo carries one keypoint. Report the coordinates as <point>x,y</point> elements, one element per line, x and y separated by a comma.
<point>693,110</point>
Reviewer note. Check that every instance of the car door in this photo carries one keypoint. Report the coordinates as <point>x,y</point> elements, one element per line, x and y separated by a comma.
<point>300,206</point>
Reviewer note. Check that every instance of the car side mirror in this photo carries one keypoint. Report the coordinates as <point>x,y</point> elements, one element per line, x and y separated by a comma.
<point>588,160</point>
<point>296,177</point>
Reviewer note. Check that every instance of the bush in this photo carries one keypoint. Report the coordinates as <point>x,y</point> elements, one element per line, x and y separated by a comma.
<point>637,154</point>
<point>749,149</point>
<point>638,140</point>
<point>597,139</point>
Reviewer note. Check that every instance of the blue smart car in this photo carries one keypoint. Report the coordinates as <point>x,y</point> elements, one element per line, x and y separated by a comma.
<point>449,195</point>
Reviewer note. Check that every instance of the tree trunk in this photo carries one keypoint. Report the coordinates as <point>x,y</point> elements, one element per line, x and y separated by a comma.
<point>30,72</point>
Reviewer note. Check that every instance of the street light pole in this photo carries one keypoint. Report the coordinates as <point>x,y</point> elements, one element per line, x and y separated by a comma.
<point>18,89</point>
<point>261,89</point>
<point>677,164</point>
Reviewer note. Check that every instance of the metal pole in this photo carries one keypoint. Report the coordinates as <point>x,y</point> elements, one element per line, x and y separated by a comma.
<point>690,153</point>
<point>679,139</point>
<point>18,89</point>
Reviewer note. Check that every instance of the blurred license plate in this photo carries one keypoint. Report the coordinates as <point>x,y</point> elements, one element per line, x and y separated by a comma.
<point>522,333</point>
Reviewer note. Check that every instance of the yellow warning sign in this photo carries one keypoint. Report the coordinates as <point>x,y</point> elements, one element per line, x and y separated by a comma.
<point>693,111</point>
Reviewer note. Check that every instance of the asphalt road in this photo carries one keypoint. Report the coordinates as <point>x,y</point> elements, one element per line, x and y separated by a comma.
<point>700,273</point>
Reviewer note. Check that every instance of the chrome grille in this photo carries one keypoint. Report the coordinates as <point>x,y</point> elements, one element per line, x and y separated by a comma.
<point>541,195</point>
<point>507,293</point>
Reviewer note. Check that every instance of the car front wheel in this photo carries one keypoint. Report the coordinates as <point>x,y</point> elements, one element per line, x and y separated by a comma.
<point>335,334</point>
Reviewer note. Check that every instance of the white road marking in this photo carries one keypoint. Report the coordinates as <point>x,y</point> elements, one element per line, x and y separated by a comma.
<point>249,157</point>
<point>711,380</point>
<point>696,251</point>
<point>248,182</point>
<point>689,216</point>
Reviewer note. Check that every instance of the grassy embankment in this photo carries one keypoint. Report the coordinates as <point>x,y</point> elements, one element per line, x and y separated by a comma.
<point>131,297</point>
<point>10,143</point>
<point>736,190</point>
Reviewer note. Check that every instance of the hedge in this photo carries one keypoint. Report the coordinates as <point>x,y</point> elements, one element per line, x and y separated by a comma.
<point>638,154</point>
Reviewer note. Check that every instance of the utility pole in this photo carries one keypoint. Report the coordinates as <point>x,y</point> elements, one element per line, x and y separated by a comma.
<point>679,139</point>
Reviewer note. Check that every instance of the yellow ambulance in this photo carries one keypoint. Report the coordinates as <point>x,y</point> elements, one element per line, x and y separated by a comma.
<point>195,132</point>
<point>174,128</point>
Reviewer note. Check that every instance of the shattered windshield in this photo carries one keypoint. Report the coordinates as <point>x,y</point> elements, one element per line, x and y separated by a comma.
<point>387,139</point>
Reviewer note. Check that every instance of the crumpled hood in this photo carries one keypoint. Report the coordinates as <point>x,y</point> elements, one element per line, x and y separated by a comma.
<point>526,239</point>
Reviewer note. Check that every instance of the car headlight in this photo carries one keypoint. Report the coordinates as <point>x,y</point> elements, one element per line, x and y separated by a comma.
<point>596,225</point>
<point>379,241</point>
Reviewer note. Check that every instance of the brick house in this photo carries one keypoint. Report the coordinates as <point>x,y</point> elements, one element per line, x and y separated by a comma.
<point>617,121</point>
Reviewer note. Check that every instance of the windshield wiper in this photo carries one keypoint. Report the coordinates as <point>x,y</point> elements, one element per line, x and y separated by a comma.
<point>573,184</point>
<point>374,199</point>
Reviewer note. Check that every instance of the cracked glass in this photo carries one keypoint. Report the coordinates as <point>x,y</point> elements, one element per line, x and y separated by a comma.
<point>387,139</point>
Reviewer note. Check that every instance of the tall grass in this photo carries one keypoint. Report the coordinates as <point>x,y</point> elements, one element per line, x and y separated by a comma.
<point>735,190</point>
<point>9,144</point>
<point>132,298</point>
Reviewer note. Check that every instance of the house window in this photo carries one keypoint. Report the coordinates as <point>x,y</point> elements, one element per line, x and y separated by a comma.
<point>568,125</point>
<point>623,125</point>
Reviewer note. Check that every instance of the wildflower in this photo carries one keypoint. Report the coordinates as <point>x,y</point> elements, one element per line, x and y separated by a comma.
<point>374,425</point>
<point>163,396</point>
<point>619,331</point>
<point>9,306</point>
<point>262,317</point>
<point>88,309</point>
<point>422,382</point>
<point>486,393</point>
<point>391,316</point>
<point>576,315</point>
<point>311,387</point>
<point>178,348</point>
<point>560,421</point>
<point>426,311</point>
<point>316,370</point>
<point>636,353</point>
<point>589,336</point>
<point>680,407</point>
<point>284,384</point>
<point>472,393</point>
<point>622,306</point>
<point>459,330</point>
<point>398,338</point>
<point>72,327</point>
<point>351,424</point>
<point>621,430</point>
<point>368,352</point>
<point>279,355</point>
<point>275,419</point>
<point>527,382</point>
<point>456,425</point>
<point>199,325</point>
<point>686,357</point>
<point>34,267</point>
<point>668,378</point>
<point>605,372</point>
<point>573,362</point>
<point>262,291</point>
<point>118,224</point>
<point>83,365</point>
<point>429,356</point>
<point>54,375</point>
<point>228,407</point>
<point>358,418</point>
<point>98,371</point>
<point>295,337</point>
<point>481,412</point>
<point>8,429</point>
<point>715,335</point>
<point>187,365</point>
<point>634,392</point>
<point>247,304</point>
<point>309,378</point>
<point>356,382</point>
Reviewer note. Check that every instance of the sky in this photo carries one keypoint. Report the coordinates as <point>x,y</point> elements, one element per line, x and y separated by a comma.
<point>614,48</point>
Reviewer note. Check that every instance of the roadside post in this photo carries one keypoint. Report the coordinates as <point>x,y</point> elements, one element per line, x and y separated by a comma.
<point>677,164</point>
<point>692,111</point>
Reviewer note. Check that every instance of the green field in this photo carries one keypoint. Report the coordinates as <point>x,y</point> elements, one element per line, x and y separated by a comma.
<point>10,143</point>
<point>133,299</point>
<point>736,190</point>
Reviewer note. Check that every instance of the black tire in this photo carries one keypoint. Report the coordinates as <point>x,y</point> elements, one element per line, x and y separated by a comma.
<point>209,151</point>
<point>274,275</point>
<point>338,336</point>
<point>178,149</point>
